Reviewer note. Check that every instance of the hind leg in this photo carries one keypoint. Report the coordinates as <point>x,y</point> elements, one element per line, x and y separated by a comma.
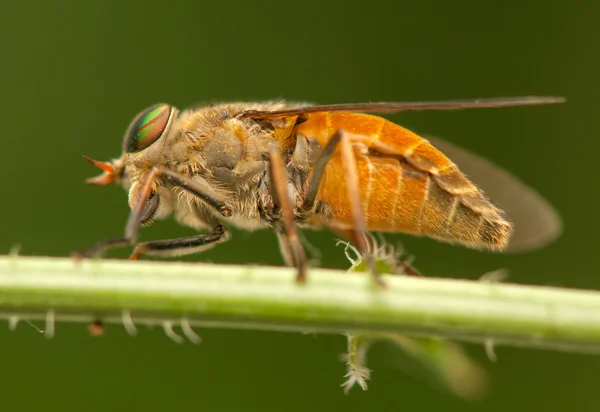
<point>357,234</point>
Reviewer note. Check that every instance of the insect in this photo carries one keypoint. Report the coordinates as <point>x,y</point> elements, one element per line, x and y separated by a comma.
<point>283,165</point>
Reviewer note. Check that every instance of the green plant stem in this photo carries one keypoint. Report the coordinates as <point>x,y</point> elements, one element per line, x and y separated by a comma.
<point>267,298</point>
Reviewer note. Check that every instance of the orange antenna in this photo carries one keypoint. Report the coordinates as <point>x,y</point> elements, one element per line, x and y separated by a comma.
<point>110,175</point>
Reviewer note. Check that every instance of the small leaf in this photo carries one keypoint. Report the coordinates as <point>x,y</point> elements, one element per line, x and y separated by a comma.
<point>441,363</point>
<point>445,365</point>
<point>355,359</point>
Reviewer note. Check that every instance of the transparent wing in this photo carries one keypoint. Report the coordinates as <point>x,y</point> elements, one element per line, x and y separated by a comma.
<point>536,222</point>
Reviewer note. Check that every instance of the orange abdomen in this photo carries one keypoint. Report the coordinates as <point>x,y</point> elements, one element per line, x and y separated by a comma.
<point>406,184</point>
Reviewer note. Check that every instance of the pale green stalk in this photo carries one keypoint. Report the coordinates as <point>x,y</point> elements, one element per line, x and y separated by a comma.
<point>267,298</point>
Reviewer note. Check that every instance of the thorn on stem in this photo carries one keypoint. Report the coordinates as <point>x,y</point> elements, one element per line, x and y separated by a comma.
<point>50,324</point>
<point>13,321</point>
<point>128,323</point>
<point>489,350</point>
<point>168,328</point>
<point>187,330</point>
<point>15,250</point>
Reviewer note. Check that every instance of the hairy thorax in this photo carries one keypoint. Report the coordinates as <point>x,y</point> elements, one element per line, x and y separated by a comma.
<point>223,153</point>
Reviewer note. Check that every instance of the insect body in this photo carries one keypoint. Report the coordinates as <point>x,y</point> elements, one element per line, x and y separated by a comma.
<point>407,185</point>
<point>276,164</point>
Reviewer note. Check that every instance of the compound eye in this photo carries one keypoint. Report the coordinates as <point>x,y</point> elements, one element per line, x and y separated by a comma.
<point>147,128</point>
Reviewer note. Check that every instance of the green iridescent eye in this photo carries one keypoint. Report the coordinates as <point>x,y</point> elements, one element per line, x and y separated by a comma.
<point>147,127</point>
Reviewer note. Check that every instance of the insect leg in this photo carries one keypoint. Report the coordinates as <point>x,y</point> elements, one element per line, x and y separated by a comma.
<point>180,246</point>
<point>357,234</point>
<point>284,246</point>
<point>279,193</point>
<point>195,188</point>
<point>315,180</point>
<point>135,217</point>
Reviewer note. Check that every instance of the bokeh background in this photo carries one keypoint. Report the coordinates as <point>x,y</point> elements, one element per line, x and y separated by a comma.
<point>73,74</point>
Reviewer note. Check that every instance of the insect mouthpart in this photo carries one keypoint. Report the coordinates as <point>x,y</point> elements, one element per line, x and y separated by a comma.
<point>150,209</point>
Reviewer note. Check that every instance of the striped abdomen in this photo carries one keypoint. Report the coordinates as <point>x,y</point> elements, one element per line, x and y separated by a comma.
<point>406,184</point>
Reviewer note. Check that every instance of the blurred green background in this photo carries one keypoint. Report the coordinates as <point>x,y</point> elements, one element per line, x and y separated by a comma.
<point>74,73</point>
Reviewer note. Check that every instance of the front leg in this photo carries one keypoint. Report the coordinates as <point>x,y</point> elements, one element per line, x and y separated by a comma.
<point>139,210</point>
<point>181,246</point>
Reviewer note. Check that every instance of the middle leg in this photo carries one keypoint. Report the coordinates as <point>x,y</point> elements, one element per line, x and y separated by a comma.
<point>287,233</point>
<point>180,246</point>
